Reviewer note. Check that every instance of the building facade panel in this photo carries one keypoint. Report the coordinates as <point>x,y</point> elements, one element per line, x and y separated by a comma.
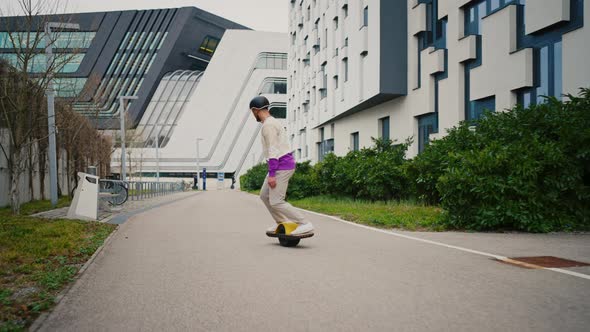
<point>462,57</point>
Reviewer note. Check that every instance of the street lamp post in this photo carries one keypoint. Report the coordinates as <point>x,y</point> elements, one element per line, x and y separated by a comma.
<point>122,116</point>
<point>50,93</point>
<point>198,160</point>
<point>157,154</point>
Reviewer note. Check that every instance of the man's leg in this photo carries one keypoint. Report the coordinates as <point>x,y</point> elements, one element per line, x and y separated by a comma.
<point>277,199</point>
<point>265,197</point>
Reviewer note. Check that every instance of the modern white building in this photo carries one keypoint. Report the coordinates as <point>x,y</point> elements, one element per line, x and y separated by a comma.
<point>212,106</point>
<point>398,69</point>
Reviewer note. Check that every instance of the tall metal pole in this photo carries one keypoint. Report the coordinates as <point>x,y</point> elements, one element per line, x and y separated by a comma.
<point>157,156</point>
<point>122,115</point>
<point>198,162</point>
<point>50,93</point>
<point>123,136</point>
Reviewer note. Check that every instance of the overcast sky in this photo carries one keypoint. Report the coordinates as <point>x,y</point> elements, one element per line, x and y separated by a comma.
<point>263,15</point>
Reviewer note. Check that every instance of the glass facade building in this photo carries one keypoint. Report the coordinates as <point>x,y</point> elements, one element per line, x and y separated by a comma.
<point>124,53</point>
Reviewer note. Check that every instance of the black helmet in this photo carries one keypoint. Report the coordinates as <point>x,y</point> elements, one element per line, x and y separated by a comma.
<point>260,103</point>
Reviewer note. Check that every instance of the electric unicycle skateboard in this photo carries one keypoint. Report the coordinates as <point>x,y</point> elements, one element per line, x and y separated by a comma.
<point>283,233</point>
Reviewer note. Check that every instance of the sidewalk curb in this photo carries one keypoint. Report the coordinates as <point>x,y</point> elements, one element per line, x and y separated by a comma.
<point>38,323</point>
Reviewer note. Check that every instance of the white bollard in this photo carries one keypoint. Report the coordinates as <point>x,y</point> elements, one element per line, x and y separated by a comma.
<point>85,203</point>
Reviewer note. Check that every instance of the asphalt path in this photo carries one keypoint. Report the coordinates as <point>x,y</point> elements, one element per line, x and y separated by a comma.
<point>204,264</point>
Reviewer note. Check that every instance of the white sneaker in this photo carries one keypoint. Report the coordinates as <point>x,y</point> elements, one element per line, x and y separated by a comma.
<point>272,229</point>
<point>303,229</point>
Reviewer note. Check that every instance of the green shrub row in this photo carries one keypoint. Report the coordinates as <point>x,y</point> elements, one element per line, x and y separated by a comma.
<point>527,169</point>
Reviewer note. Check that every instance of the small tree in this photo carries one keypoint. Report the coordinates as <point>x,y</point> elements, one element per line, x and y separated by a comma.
<point>24,81</point>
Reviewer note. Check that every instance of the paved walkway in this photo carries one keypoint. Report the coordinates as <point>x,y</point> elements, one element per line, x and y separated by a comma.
<point>204,264</point>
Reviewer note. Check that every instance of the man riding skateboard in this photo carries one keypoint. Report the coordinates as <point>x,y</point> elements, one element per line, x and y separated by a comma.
<point>281,167</point>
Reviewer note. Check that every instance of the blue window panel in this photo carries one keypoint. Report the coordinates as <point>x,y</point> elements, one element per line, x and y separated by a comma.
<point>355,141</point>
<point>472,17</point>
<point>329,146</point>
<point>427,124</point>
<point>480,106</point>
<point>384,128</point>
<point>494,4</point>
<point>481,12</point>
<point>548,75</point>
<point>526,99</point>
<point>557,71</point>
<point>543,87</point>
<point>475,13</point>
<point>441,34</point>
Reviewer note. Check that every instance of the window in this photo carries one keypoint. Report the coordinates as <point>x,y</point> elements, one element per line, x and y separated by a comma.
<point>72,64</point>
<point>474,14</point>
<point>427,124</point>
<point>494,4</point>
<point>346,41</point>
<point>440,39</point>
<point>366,16</point>
<point>65,62</point>
<point>71,40</point>
<point>272,61</point>
<point>209,45</point>
<point>320,146</point>
<point>345,66</point>
<point>345,10</point>
<point>308,13</point>
<point>324,88</point>
<point>384,128</point>
<point>69,87</point>
<point>479,107</point>
<point>325,38</point>
<point>335,82</point>
<point>274,87</point>
<point>329,146</point>
<point>303,142</point>
<point>548,73</point>
<point>335,23</point>
<point>278,112</point>
<point>354,141</point>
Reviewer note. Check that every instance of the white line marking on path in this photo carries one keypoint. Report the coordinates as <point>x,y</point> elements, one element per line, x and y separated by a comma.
<point>481,253</point>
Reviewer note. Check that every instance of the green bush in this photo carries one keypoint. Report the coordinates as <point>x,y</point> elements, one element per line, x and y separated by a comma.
<point>527,169</point>
<point>376,174</point>
<point>426,168</point>
<point>254,178</point>
<point>303,184</point>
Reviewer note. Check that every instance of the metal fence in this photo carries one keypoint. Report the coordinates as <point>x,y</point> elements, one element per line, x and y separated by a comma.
<point>139,190</point>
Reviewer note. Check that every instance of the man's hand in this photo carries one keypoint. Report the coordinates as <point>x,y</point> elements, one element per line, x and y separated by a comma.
<point>272,182</point>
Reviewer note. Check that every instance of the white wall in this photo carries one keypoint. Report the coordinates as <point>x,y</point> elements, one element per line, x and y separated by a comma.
<point>576,52</point>
<point>25,192</point>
